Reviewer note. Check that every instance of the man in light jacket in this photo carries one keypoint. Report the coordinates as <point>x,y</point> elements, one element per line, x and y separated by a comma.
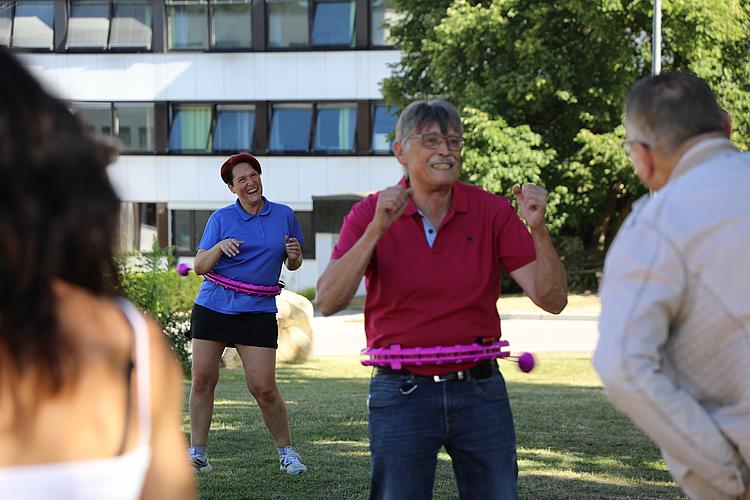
<point>674,346</point>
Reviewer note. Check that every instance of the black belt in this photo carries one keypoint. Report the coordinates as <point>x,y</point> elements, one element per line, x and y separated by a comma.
<point>483,370</point>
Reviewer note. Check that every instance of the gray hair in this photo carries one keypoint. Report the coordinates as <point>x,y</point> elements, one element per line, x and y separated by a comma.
<point>420,114</point>
<point>670,108</point>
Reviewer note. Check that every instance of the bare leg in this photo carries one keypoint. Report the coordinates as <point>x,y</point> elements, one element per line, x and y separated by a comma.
<point>206,358</point>
<point>260,375</point>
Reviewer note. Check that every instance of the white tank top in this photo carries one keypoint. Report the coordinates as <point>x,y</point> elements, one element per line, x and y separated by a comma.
<point>117,478</point>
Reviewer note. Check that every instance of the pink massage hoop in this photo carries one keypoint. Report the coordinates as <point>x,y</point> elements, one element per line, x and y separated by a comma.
<point>234,285</point>
<point>396,357</point>
<point>239,286</point>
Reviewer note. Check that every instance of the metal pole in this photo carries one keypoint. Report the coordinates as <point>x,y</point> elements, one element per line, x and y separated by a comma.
<point>656,39</point>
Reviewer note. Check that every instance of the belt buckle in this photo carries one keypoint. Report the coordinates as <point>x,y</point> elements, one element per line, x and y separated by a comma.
<point>459,375</point>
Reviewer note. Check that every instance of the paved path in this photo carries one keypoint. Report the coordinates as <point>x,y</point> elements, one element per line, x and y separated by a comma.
<point>344,334</point>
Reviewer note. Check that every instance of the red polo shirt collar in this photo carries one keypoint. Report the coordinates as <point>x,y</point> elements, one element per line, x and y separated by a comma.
<point>459,202</point>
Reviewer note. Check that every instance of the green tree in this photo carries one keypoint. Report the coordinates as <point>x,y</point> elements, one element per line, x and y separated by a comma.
<point>552,77</point>
<point>497,156</point>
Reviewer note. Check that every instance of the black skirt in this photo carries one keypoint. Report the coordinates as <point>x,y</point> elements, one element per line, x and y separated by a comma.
<point>253,329</point>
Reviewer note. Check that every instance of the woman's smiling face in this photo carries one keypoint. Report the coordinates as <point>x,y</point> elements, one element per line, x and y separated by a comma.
<point>248,187</point>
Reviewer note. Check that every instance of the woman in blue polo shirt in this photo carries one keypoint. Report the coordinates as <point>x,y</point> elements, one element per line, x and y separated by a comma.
<point>244,243</point>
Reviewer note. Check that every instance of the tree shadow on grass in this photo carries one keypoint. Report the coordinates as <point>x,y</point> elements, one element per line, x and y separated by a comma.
<point>537,486</point>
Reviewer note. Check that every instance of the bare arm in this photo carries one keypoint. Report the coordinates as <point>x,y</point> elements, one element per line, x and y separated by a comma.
<point>338,283</point>
<point>206,260</point>
<point>169,476</point>
<point>544,280</point>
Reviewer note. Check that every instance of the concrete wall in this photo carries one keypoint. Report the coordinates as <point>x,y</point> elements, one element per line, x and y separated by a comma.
<point>337,75</point>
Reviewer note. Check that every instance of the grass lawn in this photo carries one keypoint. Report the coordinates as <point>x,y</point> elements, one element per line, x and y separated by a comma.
<point>571,442</point>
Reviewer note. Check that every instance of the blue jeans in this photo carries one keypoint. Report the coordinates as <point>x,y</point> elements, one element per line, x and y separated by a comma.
<point>471,419</point>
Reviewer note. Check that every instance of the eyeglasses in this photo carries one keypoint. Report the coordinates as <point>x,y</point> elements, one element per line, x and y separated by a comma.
<point>432,140</point>
<point>627,145</point>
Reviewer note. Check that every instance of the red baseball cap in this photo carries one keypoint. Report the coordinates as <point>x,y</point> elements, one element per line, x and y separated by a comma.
<point>229,163</point>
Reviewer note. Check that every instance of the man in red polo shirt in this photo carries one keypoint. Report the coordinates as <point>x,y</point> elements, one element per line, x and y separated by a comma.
<point>432,250</point>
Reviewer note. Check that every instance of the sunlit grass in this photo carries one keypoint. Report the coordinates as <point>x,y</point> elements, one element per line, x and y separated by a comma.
<point>571,443</point>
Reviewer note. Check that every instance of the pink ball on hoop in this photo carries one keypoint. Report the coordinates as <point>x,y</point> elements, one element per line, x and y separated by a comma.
<point>526,362</point>
<point>183,269</point>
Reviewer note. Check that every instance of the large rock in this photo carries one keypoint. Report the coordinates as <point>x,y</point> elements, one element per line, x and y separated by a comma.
<point>295,327</point>
<point>295,331</point>
<point>231,358</point>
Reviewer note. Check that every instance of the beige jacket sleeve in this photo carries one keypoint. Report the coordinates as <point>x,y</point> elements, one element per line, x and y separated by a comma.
<point>644,283</point>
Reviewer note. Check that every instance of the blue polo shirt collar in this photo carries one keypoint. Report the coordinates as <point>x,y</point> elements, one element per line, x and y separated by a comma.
<point>246,216</point>
<point>459,201</point>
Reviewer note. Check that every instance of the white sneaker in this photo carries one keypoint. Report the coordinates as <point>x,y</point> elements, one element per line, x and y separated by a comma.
<point>290,462</point>
<point>199,462</point>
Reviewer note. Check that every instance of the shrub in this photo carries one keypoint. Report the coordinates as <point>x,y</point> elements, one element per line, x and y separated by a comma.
<point>308,293</point>
<point>583,267</point>
<point>151,283</point>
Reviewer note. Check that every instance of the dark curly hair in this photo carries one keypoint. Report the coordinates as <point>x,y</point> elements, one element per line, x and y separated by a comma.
<point>58,222</point>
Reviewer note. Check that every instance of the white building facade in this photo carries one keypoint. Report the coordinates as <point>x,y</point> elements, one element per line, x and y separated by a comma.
<point>184,84</point>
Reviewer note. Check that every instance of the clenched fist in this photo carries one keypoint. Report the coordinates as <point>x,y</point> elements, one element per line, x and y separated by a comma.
<point>293,248</point>
<point>392,202</point>
<point>532,201</point>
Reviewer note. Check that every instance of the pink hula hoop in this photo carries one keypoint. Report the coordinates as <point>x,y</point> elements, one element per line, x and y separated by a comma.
<point>239,286</point>
<point>395,356</point>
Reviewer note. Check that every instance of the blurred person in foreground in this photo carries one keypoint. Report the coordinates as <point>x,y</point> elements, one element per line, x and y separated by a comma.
<point>432,249</point>
<point>90,394</point>
<point>674,338</point>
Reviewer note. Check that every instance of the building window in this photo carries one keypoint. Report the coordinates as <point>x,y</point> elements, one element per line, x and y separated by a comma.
<point>134,123</point>
<point>205,128</point>
<point>191,126</point>
<point>88,25</point>
<point>334,128</point>
<point>96,116</point>
<point>290,127</point>
<point>34,25</point>
<point>187,230</point>
<point>6,22</point>
<point>305,219</point>
<point>235,127</point>
<point>131,25</point>
<point>148,233</point>
<point>200,219</point>
<point>384,122</point>
<point>226,23</point>
<point>187,24</point>
<point>182,236</point>
<point>139,228</point>
<point>381,11</point>
<point>287,23</point>
<point>333,24</point>
<point>231,24</point>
